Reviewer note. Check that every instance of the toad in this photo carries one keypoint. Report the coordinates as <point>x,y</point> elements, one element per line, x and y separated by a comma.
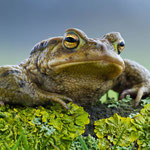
<point>73,68</point>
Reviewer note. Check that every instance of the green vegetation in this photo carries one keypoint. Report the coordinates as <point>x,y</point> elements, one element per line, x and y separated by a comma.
<point>111,99</point>
<point>52,127</point>
<point>142,123</point>
<point>110,95</point>
<point>109,131</point>
<point>42,128</point>
<point>91,143</point>
<point>124,132</point>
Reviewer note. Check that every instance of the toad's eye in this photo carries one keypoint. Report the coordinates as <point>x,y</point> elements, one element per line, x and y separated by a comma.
<point>120,46</point>
<point>71,40</point>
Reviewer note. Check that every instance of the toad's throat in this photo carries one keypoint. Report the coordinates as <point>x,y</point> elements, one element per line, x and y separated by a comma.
<point>99,68</point>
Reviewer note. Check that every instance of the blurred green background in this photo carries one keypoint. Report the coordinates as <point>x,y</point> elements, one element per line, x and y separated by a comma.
<point>23,23</point>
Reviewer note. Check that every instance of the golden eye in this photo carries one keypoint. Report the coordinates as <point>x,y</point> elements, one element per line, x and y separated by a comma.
<point>71,40</point>
<point>120,46</point>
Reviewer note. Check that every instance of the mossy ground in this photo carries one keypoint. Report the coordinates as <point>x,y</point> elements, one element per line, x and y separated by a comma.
<point>111,106</point>
<point>42,128</point>
<point>61,123</point>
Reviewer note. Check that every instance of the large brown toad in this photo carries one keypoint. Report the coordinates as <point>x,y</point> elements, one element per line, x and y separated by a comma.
<point>73,67</point>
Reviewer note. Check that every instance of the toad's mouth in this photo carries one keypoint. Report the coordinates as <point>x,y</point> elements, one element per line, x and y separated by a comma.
<point>104,67</point>
<point>71,63</point>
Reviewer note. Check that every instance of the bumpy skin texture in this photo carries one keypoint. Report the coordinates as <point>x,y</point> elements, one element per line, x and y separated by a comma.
<point>73,67</point>
<point>134,81</point>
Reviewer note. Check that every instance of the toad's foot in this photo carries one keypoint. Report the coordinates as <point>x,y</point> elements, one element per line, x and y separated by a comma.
<point>139,91</point>
<point>59,98</point>
<point>47,96</point>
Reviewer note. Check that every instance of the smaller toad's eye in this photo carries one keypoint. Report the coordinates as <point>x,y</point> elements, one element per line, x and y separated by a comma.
<point>120,46</point>
<point>71,40</point>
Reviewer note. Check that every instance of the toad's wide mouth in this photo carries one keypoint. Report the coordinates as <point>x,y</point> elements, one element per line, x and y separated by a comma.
<point>63,63</point>
<point>104,66</point>
<point>68,64</point>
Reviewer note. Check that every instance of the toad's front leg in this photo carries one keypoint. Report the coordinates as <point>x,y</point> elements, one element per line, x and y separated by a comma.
<point>17,88</point>
<point>134,81</point>
<point>42,97</point>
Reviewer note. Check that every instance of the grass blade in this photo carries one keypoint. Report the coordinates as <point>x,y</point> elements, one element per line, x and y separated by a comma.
<point>25,142</point>
<point>44,144</point>
<point>83,144</point>
<point>18,142</point>
<point>115,146</point>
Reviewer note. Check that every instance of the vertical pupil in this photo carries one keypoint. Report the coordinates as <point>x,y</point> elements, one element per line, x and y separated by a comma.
<point>70,39</point>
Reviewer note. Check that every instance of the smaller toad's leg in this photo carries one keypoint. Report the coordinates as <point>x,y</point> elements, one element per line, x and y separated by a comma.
<point>135,80</point>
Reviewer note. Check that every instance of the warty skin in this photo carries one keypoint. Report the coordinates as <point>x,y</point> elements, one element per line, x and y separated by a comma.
<point>73,68</point>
